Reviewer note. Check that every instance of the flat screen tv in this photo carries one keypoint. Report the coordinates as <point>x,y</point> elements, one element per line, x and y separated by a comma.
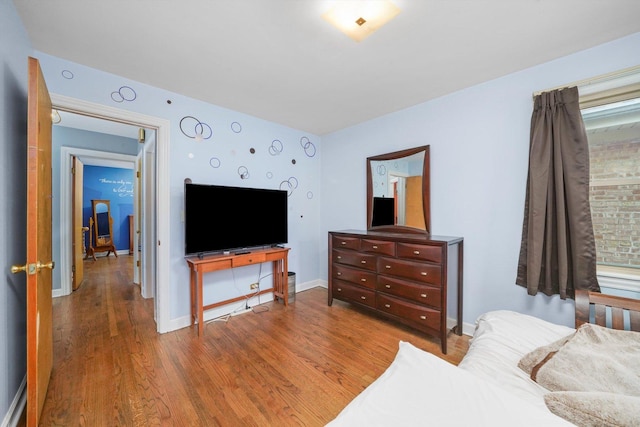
<point>383,211</point>
<point>220,218</point>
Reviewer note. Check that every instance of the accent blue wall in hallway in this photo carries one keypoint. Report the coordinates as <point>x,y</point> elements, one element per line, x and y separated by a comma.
<point>115,185</point>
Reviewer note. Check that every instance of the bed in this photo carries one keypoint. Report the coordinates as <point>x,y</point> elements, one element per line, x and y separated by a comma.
<point>493,385</point>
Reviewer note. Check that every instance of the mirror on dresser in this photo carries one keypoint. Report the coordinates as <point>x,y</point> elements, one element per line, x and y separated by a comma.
<point>398,191</point>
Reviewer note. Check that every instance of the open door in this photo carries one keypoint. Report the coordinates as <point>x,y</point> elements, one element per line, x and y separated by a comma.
<point>413,208</point>
<point>78,246</point>
<point>39,262</point>
<point>148,216</point>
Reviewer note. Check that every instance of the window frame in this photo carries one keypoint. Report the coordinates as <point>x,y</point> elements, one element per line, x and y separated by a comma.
<point>609,89</point>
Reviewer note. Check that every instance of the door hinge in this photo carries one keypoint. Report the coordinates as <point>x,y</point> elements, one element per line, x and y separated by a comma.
<point>73,171</point>
<point>137,174</point>
<point>138,263</point>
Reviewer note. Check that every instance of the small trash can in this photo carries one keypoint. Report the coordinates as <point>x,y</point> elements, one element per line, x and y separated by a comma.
<point>292,286</point>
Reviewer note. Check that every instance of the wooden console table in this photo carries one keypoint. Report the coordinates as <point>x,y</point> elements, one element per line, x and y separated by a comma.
<point>200,266</point>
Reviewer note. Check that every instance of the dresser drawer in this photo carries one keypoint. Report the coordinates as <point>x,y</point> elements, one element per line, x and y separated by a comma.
<point>378,246</point>
<point>419,316</point>
<point>356,259</point>
<point>348,292</point>
<point>346,242</point>
<point>421,294</point>
<point>359,277</point>
<point>420,252</point>
<point>419,271</point>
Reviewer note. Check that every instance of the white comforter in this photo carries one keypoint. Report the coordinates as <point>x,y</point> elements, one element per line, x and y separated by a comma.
<point>487,389</point>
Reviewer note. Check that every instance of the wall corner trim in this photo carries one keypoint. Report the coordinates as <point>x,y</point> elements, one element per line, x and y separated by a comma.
<point>17,406</point>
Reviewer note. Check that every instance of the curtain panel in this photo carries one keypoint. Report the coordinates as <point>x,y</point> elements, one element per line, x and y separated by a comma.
<point>557,254</point>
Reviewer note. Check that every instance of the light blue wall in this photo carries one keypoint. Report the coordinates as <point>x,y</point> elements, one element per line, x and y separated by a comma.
<point>479,141</point>
<point>219,159</point>
<point>14,50</point>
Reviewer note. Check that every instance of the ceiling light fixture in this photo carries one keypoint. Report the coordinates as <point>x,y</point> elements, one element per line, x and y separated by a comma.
<point>360,18</point>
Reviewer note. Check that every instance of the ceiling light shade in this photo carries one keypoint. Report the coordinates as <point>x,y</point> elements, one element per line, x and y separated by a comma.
<point>360,18</point>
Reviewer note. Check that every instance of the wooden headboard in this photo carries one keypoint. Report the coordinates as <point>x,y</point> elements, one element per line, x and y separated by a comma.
<point>617,307</point>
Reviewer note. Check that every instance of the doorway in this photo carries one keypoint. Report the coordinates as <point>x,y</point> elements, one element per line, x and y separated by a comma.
<point>158,267</point>
<point>72,159</point>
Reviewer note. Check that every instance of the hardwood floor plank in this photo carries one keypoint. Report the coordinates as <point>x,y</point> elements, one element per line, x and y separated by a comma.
<point>295,365</point>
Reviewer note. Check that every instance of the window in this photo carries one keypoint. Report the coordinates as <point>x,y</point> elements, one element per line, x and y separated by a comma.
<point>613,131</point>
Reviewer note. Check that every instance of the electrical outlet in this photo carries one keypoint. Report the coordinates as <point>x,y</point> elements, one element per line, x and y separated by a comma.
<point>254,286</point>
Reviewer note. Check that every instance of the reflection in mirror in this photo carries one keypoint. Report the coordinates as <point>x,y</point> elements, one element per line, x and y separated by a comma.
<point>398,191</point>
<point>101,229</point>
<point>102,220</point>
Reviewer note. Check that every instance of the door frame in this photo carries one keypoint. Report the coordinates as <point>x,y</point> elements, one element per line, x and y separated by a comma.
<point>104,158</point>
<point>163,131</point>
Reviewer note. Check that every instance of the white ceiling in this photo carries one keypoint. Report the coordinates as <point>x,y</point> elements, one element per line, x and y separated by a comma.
<point>280,61</point>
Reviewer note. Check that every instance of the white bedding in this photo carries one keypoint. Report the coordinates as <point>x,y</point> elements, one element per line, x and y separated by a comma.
<point>501,339</point>
<point>488,389</point>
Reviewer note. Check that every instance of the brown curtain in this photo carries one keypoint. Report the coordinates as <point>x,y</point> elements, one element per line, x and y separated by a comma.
<point>558,254</point>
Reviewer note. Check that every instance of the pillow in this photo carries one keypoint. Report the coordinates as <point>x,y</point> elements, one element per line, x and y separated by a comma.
<point>595,408</point>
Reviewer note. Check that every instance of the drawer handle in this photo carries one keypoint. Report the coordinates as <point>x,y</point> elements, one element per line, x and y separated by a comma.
<point>387,286</point>
<point>423,317</point>
<point>343,243</point>
<point>339,257</point>
<point>423,295</point>
<point>339,274</point>
<point>416,252</point>
<point>363,280</point>
<point>375,246</point>
<point>424,273</point>
<point>363,262</point>
<point>363,298</point>
<point>339,289</point>
<point>387,305</point>
<point>388,267</point>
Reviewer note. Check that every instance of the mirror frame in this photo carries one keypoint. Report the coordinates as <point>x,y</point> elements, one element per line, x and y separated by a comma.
<point>426,191</point>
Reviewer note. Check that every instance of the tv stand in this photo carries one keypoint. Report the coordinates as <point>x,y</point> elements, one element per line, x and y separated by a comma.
<point>205,264</point>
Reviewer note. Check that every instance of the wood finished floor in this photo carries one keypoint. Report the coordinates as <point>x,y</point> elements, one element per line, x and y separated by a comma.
<point>296,365</point>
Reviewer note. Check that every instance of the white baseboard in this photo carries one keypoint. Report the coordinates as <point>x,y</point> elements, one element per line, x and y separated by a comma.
<point>17,406</point>
<point>467,328</point>
<point>238,306</point>
<point>311,284</point>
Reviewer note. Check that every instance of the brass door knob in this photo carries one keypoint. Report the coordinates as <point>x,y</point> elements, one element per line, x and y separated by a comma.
<point>50,265</point>
<point>32,268</point>
<point>18,268</point>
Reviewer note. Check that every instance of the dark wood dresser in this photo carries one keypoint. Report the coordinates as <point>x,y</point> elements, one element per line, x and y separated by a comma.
<point>415,279</point>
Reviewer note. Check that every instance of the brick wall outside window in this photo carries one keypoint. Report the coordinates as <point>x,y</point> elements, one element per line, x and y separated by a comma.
<point>615,205</point>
